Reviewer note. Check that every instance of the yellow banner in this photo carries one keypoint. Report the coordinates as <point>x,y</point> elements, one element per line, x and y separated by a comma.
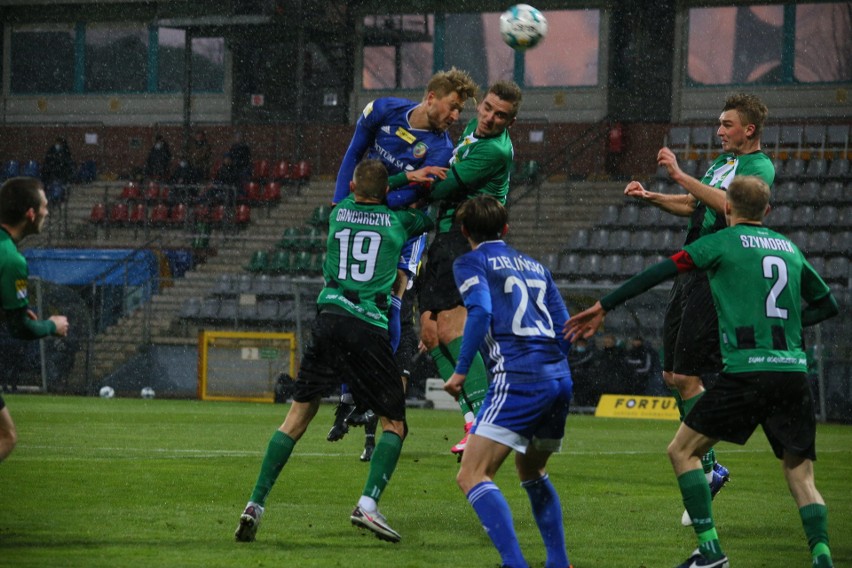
<point>630,406</point>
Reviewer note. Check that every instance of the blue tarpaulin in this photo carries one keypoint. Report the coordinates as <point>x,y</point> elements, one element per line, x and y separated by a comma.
<point>114,267</point>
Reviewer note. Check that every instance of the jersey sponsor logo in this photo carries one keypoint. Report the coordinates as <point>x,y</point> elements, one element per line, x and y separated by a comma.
<point>419,150</point>
<point>393,163</point>
<point>21,289</point>
<point>371,218</point>
<point>769,243</point>
<point>518,263</point>
<point>465,286</point>
<point>776,360</point>
<point>368,109</point>
<point>406,135</point>
<point>724,174</point>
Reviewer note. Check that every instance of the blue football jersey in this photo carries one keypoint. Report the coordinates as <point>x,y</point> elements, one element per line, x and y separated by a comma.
<point>384,133</point>
<point>524,336</point>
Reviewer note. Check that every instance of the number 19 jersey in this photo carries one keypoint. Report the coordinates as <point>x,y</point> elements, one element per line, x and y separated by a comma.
<point>527,311</point>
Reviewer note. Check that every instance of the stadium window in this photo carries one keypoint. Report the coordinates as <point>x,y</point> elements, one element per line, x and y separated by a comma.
<point>823,49</point>
<point>569,56</point>
<point>769,44</point>
<point>208,62</point>
<point>42,59</point>
<point>116,59</point>
<point>397,51</point>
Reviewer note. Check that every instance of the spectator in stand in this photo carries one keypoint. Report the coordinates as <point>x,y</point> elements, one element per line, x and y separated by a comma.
<point>200,156</point>
<point>643,365</point>
<point>612,372</point>
<point>241,155</point>
<point>184,173</point>
<point>58,164</point>
<point>582,361</point>
<point>227,182</point>
<point>159,159</point>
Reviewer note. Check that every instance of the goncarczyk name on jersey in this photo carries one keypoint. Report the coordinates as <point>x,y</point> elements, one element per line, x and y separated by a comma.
<point>770,243</point>
<point>515,263</point>
<point>364,217</point>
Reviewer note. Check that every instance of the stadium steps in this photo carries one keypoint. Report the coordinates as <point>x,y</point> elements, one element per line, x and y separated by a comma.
<point>228,255</point>
<point>540,225</point>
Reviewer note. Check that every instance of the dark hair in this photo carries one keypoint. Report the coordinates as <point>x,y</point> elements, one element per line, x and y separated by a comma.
<point>508,91</point>
<point>750,108</point>
<point>371,179</point>
<point>483,217</point>
<point>17,196</point>
<point>749,196</point>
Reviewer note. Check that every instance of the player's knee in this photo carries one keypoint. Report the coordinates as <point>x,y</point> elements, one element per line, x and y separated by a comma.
<point>8,441</point>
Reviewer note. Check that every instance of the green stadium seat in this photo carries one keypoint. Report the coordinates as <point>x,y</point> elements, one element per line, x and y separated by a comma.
<point>280,263</point>
<point>258,262</point>
<point>290,239</point>
<point>303,262</point>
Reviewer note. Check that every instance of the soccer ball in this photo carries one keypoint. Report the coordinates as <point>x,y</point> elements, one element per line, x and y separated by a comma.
<point>522,26</point>
<point>107,392</point>
<point>147,392</point>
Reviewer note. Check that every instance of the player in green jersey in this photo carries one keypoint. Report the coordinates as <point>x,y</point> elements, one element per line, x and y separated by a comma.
<point>349,338</point>
<point>23,211</point>
<point>480,165</point>
<point>690,342</point>
<point>758,279</point>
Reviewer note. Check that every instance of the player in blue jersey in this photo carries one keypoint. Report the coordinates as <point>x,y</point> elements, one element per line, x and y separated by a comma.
<point>405,136</point>
<point>512,304</point>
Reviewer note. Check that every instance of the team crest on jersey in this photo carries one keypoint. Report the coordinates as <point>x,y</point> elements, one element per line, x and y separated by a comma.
<point>419,150</point>
<point>405,135</point>
<point>21,289</point>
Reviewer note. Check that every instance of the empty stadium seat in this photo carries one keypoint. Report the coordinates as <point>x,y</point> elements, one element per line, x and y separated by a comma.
<point>159,214</point>
<point>809,191</point>
<point>137,214</point>
<point>569,264</point>
<point>258,262</point>
<point>267,310</point>
<point>599,240</point>
<point>841,242</point>
<point>794,168</point>
<point>242,216</point>
<point>779,217</point>
<point>579,240</point>
<point>281,170</point>
<point>302,263</point>
<point>152,192</point>
<point>632,264</point>
<point>224,285</point>
<point>131,192</point>
<point>260,170</point>
<point>56,193</point>
<point>838,169</point>
<point>610,215</point>
<point>590,265</point>
<point>191,308</point>
<point>611,265</point>
<point>629,215</point>
<point>831,192</point>
<point>98,214</point>
<point>271,192</point>
<point>649,216</point>
<point>244,283</point>
<point>119,214</point>
<point>280,263</point>
<point>11,168</point>
<point>250,193</point>
<point>290,239</point>
<point>837,269</point>
<point>817,168</point>
<point>261,284</point>
<point>301,171</point>
<point>319,217</point>
<point>201,213</point>
<point>619,240</point>
<point>31,169</point>
<point>803,216</point>
<point>787,192</point>
<point>178,214</point>
<point>217,215</point>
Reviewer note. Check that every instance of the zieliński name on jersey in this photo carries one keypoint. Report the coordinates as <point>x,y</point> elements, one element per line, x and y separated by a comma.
<point>768,243</point>
<point>518,263</point>
<point>370,218</point>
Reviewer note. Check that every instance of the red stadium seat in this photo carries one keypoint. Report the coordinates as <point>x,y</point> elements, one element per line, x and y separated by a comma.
<point>159,214</point>
<point>271,192</point>
<point>152,192</point>
<point>131,192</point>
<point>201,214</point>
<point>301,171</point>
<point>260,170</point>
<point>217,215</point>
<point>137,214</point>
<point>250,193</point>
<point>119,214</point>
<point>242,215</point>
<point>177,216</point>
<point>281,170</point>
<point>98,214</point>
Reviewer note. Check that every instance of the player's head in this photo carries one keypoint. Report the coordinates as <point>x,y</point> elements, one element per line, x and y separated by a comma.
<point>370,180</point>
<point>23,205</point>
<point>483,218</point>
<point>445,97</point>
<point>741,123</point>
<point>748,198</point>
<point>497,110</point>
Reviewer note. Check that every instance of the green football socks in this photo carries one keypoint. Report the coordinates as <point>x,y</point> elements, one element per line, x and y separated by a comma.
<point>277,453</point>
<point>382,464</point>
<point>696,499</point>
<point>476,381</point>
<point>815,522</point>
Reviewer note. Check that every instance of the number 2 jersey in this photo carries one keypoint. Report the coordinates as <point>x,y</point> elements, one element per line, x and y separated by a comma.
<point>515,314</point>
<point>758,278</point>
<point>364,242</point>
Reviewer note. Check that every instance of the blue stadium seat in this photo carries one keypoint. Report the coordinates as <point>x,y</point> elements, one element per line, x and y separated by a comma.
<point>31,169</point>
<point>12,168</point>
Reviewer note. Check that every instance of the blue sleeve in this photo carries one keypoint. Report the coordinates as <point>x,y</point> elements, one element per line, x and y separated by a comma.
<point>361,140</point>
<point>403,197</point>
<point>475,328</point>
<point>472,282</point>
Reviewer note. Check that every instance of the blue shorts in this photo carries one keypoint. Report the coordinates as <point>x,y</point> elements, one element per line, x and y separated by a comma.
<point>516,414</point>
<point>412,252</point>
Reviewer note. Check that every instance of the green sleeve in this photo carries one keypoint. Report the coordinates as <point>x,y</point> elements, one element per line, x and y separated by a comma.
<point>444,189</point>
<point>640,283</point>
<point>22,327</point>
<point>398,180</point>
<point>822,309</point>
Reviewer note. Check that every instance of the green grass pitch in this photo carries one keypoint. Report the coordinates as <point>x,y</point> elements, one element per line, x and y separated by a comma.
<point>131,482</point>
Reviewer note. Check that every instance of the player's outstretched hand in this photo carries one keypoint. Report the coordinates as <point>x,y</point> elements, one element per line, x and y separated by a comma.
<point>635,189</point>
<point>668,160</point>
<point>427,174</point>
<point>585,324</point>
<point>454,385</point>
<point>61,323</point>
